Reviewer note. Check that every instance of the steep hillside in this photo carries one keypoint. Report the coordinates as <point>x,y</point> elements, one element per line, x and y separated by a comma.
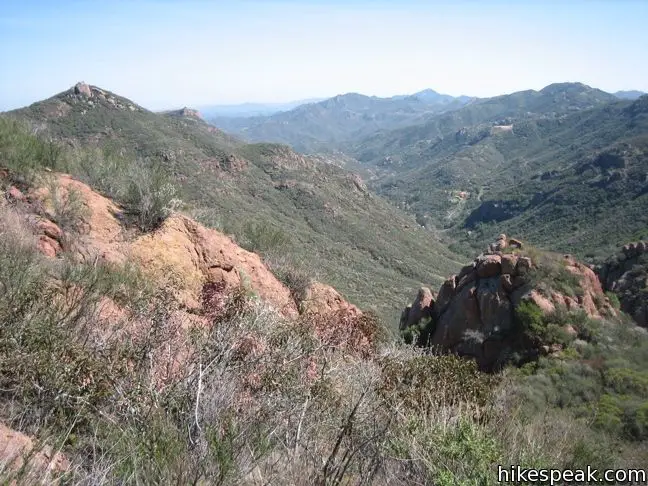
<point>301,213</point>
<point>573,182</point>
<point>322,126</point>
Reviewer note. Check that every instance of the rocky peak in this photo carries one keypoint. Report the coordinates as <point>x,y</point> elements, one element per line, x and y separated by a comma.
<point>189,112</point>
<point>82,89</point>
<point>475,311</point>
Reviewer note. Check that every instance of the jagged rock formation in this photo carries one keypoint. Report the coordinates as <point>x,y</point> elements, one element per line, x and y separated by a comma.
<point>474,312</point>
<point>89,97</point>
<point>626,275</point>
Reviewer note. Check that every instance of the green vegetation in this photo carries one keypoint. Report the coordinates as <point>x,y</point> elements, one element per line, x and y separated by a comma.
<point>25,154</point>
<point>255,395</point>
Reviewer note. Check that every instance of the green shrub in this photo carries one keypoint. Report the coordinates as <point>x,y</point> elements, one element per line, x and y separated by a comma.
<point>640,424</point>
<point>262,237</point>
<point>469,453</point>
<point>423,382</point>
<point>530,319</point>
<point>25,154</point>
<point>627,381</point>
<point>614,300</point>
<point>68,206</point>
<point>150,197</point>
<point>588,452</point>
<point>588,329</point>
<point>609,415</point>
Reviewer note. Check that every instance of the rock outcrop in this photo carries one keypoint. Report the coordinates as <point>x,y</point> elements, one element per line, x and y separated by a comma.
<point>82,89</point>
<point>181,253</point>
<point>323,299</point>
<point>191,256</point>
<point>626,275</point>
<point>420,309</point>
<point>474,313</point>
<point>17,448</point>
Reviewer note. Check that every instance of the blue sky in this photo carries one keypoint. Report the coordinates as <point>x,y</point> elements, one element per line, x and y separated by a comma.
<point>165,53</point>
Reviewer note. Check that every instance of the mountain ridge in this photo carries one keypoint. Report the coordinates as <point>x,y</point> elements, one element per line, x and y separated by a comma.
<point>317,126</point>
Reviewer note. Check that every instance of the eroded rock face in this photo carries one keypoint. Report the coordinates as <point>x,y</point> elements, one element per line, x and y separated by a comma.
<point>192,255</point>
<point>16,448</point>
<point>475,311</point>
<point>626,275</point>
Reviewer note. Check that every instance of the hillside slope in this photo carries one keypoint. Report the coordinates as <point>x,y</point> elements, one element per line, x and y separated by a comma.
<point>298,211</point>
<point>573,182</point>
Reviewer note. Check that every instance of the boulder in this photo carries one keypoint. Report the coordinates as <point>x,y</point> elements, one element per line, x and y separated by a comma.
<point>466,279</point>
<point>446,292</point>
<point>48,246</point>
<point>466,270</point>
<point>421,308</point>
<point>513,243</point>
<point>16,448</point>
<point>489,266</point>
<point>49,229</point>
<point>324,299</point>
<point>495,308</point>
<point>523,266</point>
<point>82,89</point>
<point>506,282</point>
<point>508,264</point>
<point>186,255</point>
<point>541,301</point>
<point>460,316</point>
<point>501,243</point>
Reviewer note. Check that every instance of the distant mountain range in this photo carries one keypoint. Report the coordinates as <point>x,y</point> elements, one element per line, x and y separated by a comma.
<point>317,127</point>
<point>629,95</point>
<point>252,109</point>
<point>565,167</point>
<point>322,125</point>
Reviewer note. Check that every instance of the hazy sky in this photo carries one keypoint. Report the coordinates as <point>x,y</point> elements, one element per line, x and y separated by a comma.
<point>166,53</point>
